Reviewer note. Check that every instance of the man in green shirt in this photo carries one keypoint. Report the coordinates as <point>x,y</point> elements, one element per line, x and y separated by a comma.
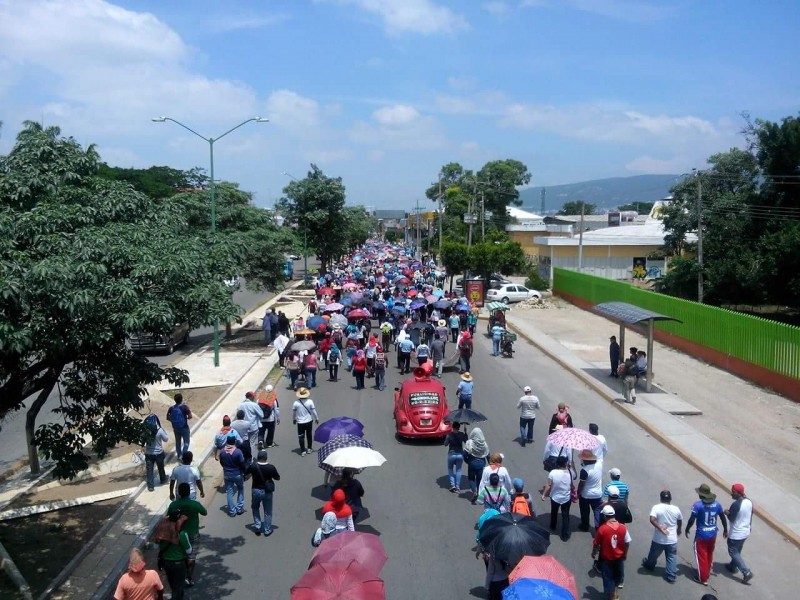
<point>192,509</point>
<point>174,556</point>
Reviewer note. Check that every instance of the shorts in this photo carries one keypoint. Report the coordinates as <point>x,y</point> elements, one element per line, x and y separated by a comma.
<point>194,540</point>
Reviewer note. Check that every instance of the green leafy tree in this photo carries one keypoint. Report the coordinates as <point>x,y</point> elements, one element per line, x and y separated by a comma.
<point>359,226</point>
<point>314,206</point>
<point>680,280</point>
<point>393,236</point>
<point>498,183</point>
<point>84,262</point>
<point>156,182</point>
<point>455,258</point>
<point>574,208</point>
<point>643,208</point>
<point>496,257</point>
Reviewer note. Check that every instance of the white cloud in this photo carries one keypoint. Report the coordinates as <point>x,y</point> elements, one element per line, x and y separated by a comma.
<point>648,164</point>
<point>399,114</point>
<point>497,8</point>
<point>411,16</point>
<point>290,110</point>
<point>228,23</point>
<point>455,105</point>
<point>324,157</point>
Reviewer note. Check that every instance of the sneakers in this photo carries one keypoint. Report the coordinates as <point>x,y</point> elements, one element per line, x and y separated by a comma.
<point>747,577</point>
<point>188,583</point>
<point>258,532</point>
<point>267,532</point>
<point>239,511</point>
<point>530,441</point>
<point>454,490</point>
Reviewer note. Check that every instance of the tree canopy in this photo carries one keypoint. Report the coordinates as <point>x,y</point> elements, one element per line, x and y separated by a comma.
<point>84,262</point>
<point>574,208</point>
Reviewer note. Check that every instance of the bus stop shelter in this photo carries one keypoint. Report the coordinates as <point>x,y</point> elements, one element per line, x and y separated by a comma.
<point>629,315</point>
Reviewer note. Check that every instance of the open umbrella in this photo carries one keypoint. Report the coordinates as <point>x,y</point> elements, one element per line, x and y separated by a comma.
<point>338,442</point>
<point>346,301</point>
<point>366,548</point>
<point>545,567</point>
<point>340,579</point>
<point>325,291</point>
<point>378,306</point>
<point>399,308</point>
<point>358,314</point>
<point>416,305</point>
<point>333,307</point>
<point>403,280</point>
<point>439,293</point>
<point>576,439</point>
<point>462,308</point>
<point>524,589</point>
<point>411,293</point>
<point>338,426</point>
<point>349,286</point>
<point>355,457</point>
<point>510,536</point>
<point>303,345</point>
<point>465,415</point>
<point>442,304</point>
<point>340,319</point>
<point>305,331</point>
<point>314,322</point>
<point>418,325</point>
<point>430,298</point>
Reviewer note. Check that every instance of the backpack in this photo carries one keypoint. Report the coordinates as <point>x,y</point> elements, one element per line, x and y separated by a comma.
<point>266,409</point>
<point>176,416</point>
<point>464,348</point>
<point>380,360</point>
<point>520,505</point>
<point>168,530</point>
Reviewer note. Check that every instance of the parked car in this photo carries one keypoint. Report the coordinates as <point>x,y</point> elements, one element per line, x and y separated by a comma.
<point>494,280</point>
<point>294,257</point>
<point>511,292</point>
<point>150,342</point>
<point>420,406</point>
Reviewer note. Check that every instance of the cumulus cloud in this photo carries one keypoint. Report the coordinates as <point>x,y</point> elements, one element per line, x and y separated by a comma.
<point>399,114</point>
<point>290,110</point>
<point>648,164</point>
<point>398,127</point>
<point>497,8</point>
<point>410,16</point>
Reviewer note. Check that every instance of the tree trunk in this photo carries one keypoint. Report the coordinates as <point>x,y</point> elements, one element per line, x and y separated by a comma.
<point>30,425</point>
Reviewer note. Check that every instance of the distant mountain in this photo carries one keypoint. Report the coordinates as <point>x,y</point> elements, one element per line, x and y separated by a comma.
<point>606,194</point>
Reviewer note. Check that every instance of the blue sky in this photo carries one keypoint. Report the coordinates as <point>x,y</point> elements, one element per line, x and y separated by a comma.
<point>384,92</point>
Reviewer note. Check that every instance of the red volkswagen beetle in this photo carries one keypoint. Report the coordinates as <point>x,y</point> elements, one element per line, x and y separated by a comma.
<point>420,406</point>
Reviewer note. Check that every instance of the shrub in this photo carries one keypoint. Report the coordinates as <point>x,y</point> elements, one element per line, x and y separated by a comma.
<point>535,282</point>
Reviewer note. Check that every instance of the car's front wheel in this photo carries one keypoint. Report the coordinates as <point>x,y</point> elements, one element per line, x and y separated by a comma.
<point>505,300</point>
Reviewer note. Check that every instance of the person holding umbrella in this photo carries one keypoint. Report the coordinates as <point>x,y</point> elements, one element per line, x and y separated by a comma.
<point>353,491</point>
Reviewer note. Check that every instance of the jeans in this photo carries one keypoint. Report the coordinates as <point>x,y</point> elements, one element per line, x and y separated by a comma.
<point>252,441</point>
<point>613,572</point>
<point>463,363</point>
<point>303,434</point>
<point>262,498</point>
<point>475,472</point>
<point>454,334</point>
<point>465,402</point>
<point>564,508</point>
<point>495,346</point>
<point>234,485</point>
<point>181,433</point>
<point>293,378</point>
<point>454,462</point>
<point>586,505</point>
<point>311,378</point>
<point>735,552</point>
<point>670,553</point>
<point>176,577</point>
<point>526,424</point>
<point>380,379</point>
<point>149,460</point>
<point>350,355</point>
<point>359,375</point>
<point>266,433</point>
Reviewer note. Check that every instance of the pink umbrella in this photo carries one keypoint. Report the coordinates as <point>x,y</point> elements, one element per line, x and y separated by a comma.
<point>349,286</point>
<point>358,314</point>
<point>344,580</point>
<point>576,439</point>
<point>545,567</point>
<point>365,548</point>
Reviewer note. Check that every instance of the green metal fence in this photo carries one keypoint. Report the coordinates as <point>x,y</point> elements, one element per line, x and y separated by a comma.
<point>765,343</point>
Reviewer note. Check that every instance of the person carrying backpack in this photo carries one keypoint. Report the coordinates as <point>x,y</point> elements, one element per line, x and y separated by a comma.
<point>179,415</point>
<point>270,407</point>
<point>521,502</point>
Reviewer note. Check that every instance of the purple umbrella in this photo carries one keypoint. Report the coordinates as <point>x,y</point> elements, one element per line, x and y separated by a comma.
<point>462,308</point>
<point>333,306</point>
<point>417,304</point>
<point>441,304</point>
<point>338,426</point>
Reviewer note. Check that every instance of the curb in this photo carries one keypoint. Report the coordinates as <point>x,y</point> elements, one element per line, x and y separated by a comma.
<point>603,391</point>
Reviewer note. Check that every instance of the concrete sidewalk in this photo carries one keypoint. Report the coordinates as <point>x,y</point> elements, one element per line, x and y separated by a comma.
<point>578,341</point>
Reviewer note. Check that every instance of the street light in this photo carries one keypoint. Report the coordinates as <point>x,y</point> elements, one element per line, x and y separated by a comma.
<point>211,141</point>
<point>305,237</point>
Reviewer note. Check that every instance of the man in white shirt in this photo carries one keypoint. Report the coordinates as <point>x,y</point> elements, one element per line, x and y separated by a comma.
<point>668,522</point>
<point>740,515</point>
<point>601,451</point>
<point>303,413</point>
<point>527,404</point>
<point>186,473</point>
<point>253,415</point>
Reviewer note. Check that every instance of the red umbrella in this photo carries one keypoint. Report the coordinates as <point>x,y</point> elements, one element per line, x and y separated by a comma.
<point>325,291</point>
<point>358,314</point>
<point>544,567</point>
<point>365,548</point>
<point>411,293</point>
<point>338,580</point>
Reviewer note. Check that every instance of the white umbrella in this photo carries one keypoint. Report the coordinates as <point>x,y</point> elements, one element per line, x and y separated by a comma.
<point>355,457</point>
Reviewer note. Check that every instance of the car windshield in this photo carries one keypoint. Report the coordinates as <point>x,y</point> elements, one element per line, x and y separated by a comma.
<point>423,398</point>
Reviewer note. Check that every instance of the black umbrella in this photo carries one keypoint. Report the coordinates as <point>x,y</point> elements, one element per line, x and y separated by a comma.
<point>465,415</point>
<point>418,325</point>
<point>510,536</point>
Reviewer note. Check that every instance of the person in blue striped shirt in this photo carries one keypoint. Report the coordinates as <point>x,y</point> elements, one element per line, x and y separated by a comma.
<point>616,480</point>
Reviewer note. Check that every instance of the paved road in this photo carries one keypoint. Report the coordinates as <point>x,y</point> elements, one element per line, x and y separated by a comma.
<point>428,532</point>
<point>12,439</point>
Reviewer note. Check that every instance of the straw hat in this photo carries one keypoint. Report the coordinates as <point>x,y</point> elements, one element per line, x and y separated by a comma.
<point>303,393</point>
<point>466,376</point>
<point>337,326</point>
<point>587,455</point>
<point>441,323</point>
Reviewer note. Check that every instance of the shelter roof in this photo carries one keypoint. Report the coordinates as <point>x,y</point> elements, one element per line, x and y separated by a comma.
<point>630,313</point>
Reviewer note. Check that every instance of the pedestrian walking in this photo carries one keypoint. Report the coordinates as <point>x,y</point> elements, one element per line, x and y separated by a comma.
<point>327,529</point>
<point>521,501</point>
<point>610,548</point>
<point>353,491</point>
<point>310,368</point>
<point>705,512</point>
<point>560,417</point>
<point>559,489</point>
<point>740,516</point>
<point>380,369</point>
<point>179,415</point>
<point>465,349</point>
<point>494,496</point>
<point>616,480</point>
<point>221,438</point>
<point>283,323</point>
<point>613,355</point>
<point>233,464</point>
<point>464,391</point>
<point>442,330</point>
<point>273,322</point>
<point>264,475</point>
<point>404,349</point>
<point>590,489</point>
<point>527,405</point>
<point>668,522</point>
<point>423,352</point>
<point>620,507</point>
<point>472,322</point>
<point>174,555</point>
<point>242,427</point>
<point>303,413</point>
<point>552,452</point>
<point>453,322</point>
<point>437,354</point>
<point>628,372</point>
<point>253,415</point>
<point>497,334</point>
<point>266,327</point>
<point>601,450</point>
<point>139,582</point>
<point>455,456</point>
<point>495,465</point>
<point>186,473</point>
<point>339,507</point>
<point>475,453</point>
<point>386,334</point>
<point>192,509</point>
<point>279,343</point>
<point>271,408</point>
<point>293,367</point>
<point>359,369</point>
<point>154,438</point>
<point>334,360</point>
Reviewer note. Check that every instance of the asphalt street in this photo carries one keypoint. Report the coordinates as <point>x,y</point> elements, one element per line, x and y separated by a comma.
<point>12,440</point>
<point>429,533</point>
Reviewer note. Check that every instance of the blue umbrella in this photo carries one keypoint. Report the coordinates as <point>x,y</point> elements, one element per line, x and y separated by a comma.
<point>442,304</point>
<point>439,293</point>
<point>462,308</point>
<point>378,305</point>
<point>399,308</point>
<point>314,322</point>
<point>346,301</point>
<point>338,426</point>
<point>525,588</point>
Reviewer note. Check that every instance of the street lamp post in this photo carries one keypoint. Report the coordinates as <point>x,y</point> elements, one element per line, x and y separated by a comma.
<point>210,141</point>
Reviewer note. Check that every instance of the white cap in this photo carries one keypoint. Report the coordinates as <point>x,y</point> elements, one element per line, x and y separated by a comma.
<point>608,511</point>
<point>527,389</point>
<point>269,388</point>
<point>613,490</point>
<point>615,472</point>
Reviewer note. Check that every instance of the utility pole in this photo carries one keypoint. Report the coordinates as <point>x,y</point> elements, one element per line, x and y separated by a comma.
<point>543,195</point>
<point>580,240</point>
<point>699,238</point>
<point>472,202</point>
<point>483,216</point>
<point>441,215</point>
<point>419,240</point>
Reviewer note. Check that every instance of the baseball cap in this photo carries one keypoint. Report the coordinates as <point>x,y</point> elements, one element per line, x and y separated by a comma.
<point>615,472</point>
<point>666,496</point>
<point>527,389</point>
<point>608,511</point>
<point>738,488</point>
<point>613,490</point>
<point>518,483</point>
<point>250,395</point>
<point>269,388</point>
